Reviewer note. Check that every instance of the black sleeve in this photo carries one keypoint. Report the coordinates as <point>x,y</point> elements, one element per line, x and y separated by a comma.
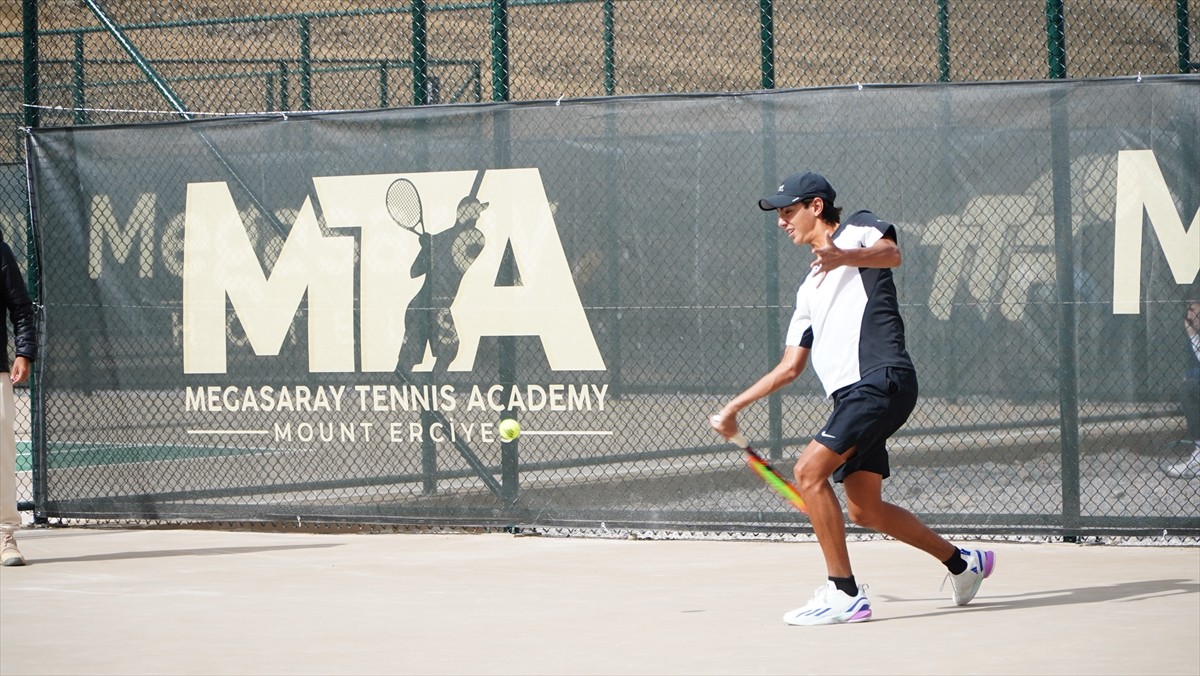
<point>20,309</point>
<point>867,218</point>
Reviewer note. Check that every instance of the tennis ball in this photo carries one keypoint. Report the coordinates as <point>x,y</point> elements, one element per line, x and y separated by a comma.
<point>509,429</point>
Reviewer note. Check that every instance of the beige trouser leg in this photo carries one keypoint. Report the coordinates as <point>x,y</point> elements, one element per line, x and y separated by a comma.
<point>10,518</point>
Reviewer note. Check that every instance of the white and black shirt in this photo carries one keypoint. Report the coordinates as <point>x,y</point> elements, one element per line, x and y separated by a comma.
<point>850,317</point>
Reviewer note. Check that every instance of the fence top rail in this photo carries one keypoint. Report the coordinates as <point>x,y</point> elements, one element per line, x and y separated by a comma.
<point>396,63</point>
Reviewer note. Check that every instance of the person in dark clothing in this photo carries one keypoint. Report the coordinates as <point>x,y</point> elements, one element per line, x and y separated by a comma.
<point>1189,398</point>
<point>16,307</point>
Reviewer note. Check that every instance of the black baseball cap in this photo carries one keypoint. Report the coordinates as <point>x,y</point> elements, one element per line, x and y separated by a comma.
<point>796,188</point>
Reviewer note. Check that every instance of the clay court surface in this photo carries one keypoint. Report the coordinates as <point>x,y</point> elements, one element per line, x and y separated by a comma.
<point>110,601</point>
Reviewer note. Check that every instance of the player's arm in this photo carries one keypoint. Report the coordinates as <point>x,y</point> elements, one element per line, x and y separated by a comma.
<point>884,253</point>
<point>795,359</point>
<point>420,266</point>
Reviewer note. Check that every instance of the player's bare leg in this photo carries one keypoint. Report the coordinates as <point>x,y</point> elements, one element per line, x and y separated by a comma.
<point>968,567</point>
<point>817,463</point>
<point>865,504</point>
<point>841,598</point>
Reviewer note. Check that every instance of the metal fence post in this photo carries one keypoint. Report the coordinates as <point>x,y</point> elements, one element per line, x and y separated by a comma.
<point>1056,49</point>
<point>613,216</point>
<point>766,36</point>
<point>943,17</point>
<point>32,118</point>
<point>509,451</point>
<point>305,63</point>
<point>420,54</point>
<point>384,96</point>
<point>29,31</point>
<point>1183,36</point>
<point>1068,377</point>
<point>284,102</point>
<point>80,116</point>
<point>610,64</point>
<point>766,22</point>
<point>499,50</point>
<point>774,350</point>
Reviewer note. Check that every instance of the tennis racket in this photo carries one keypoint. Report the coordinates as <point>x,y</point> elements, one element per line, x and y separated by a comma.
<point>469,243</point>
<point>476,183</point>
<point>768,473</point>
<point>404,205</point>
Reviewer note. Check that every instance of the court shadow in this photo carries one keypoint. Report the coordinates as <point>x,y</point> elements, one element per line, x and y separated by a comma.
<point>1122,592</point>
<point>162,553</point>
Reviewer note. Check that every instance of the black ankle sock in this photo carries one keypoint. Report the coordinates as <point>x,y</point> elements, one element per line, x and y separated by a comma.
<point>955,564</point>
<point>846,585</point>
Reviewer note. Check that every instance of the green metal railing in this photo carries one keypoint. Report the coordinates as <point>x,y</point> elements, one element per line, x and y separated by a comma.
<point>275,75</point>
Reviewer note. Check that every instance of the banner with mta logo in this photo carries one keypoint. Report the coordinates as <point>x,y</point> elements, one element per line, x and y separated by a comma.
<point>328,314</point>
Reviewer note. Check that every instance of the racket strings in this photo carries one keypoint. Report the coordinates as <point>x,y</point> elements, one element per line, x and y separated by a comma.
<point>404,204</point>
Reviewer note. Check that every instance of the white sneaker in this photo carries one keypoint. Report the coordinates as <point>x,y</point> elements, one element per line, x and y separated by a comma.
<point>965,585</point>
<point>829,605</point>
<point>1187,469</point>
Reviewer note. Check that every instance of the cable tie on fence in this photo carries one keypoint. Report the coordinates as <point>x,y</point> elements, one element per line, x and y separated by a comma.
<point>559,101</point>
<point>859,84</point>
<point>1139,77</point>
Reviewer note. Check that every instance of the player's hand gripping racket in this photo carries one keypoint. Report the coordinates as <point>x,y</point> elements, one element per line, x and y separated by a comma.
<point>768,473</point>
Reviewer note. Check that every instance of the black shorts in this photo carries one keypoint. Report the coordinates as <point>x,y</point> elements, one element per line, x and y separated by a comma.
<point>864,415</point>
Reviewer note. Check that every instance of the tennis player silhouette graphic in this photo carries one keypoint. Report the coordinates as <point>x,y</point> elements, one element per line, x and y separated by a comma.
<point>443,259</point>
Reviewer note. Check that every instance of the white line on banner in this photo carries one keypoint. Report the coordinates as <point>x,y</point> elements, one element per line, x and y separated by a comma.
<point>603,433</point>
<point>228,432</point>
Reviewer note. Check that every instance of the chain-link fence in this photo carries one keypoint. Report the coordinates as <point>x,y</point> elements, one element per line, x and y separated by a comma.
<point>112,61</point>
<point>1060,424</point>
<point>325,316</point>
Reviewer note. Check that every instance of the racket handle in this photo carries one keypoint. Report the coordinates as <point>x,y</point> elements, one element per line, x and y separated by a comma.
<point>738,440</point>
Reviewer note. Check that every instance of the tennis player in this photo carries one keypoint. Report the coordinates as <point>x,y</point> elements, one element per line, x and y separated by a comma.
<point>847,318</point>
